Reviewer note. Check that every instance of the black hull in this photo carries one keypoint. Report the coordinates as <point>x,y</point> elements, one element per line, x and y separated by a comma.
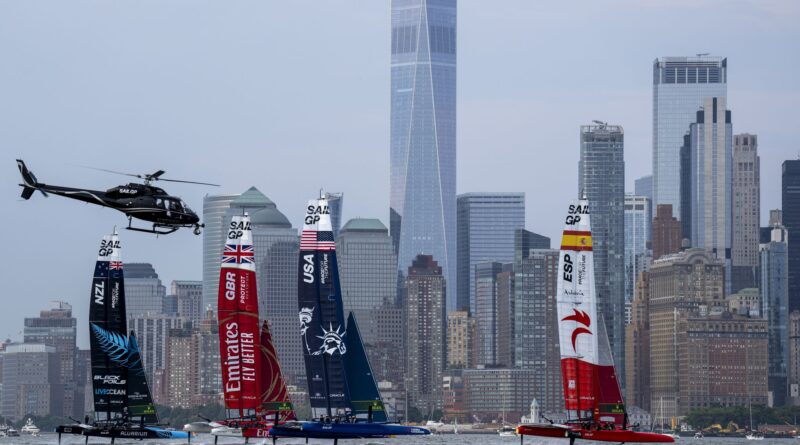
<point>121,432</point>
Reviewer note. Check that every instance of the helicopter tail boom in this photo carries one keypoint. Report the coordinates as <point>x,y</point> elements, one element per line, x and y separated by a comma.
<point>29,184</point>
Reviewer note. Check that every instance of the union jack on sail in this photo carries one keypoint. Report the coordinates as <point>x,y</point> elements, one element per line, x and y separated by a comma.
<point>238,254</point>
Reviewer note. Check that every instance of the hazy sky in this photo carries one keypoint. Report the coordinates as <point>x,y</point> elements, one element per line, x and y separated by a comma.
<point>291,96</point>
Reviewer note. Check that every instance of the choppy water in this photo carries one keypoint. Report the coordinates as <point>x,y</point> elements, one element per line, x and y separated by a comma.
<point>445,439</point>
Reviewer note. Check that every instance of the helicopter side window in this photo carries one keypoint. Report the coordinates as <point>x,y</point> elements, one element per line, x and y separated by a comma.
<point>159,202</point>
<point>175,205</point>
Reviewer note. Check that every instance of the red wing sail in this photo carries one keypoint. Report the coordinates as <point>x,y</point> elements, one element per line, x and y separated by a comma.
<point>611,407</point>
<point>238,320</point>
<point>275,396</point>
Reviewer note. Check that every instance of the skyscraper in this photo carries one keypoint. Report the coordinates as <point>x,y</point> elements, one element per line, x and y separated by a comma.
<point>536,321</point>
<point>746,180</point>
<point>368,272</point>
<point>644,187</point>
<point>679,86</point>
<point>490,312</point>
<point>215,209</point>
<point>425,296</point>
<point>790,205</point>
<point>144,293</point>
<point>423,135</point>
<point>56,327</point>
<point>277,248</point>
<point>775,304</point>
<point>335,204</point>
<point>486,223</point>
<point>601,178</point>
<point>152,334</point>
<point>189,300</point>
<point>367,266</point>
<point>637,229</point>
<point>217,213</point>
<point>711,159</point>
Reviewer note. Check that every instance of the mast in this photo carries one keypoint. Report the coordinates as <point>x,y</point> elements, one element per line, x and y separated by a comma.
<point>108,332</point>
<point>238,322</point>
<point>321,314</point>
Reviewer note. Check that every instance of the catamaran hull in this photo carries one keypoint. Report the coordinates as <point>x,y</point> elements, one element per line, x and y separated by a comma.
<point>546,430</point>
<point>148,432</point>
<point>320,430</point>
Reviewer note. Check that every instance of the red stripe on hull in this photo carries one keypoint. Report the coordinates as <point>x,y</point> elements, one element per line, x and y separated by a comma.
<point>617,435</point>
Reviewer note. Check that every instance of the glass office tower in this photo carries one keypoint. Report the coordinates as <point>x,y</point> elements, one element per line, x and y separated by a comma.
<point>679,86</point>
<point>423,135</point>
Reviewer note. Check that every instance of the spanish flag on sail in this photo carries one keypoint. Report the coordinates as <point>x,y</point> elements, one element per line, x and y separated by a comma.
<point>576,240</point>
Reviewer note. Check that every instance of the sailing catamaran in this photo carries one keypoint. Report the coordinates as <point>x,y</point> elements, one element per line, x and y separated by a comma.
<point>123,406</point>
<point>345,400</point>
<point>592,395</point>
<point>255,392</point>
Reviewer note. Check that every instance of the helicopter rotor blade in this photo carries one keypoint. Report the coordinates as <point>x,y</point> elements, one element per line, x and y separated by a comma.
<point>156,175</point>
<point>188,182</point>
<point>112,171</point>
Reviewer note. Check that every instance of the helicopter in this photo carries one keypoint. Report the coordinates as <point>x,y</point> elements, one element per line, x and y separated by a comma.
<point>140,201</point>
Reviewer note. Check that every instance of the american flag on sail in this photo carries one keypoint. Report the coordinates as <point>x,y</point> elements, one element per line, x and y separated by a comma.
<point>238,254</point>
<point>315,240</point>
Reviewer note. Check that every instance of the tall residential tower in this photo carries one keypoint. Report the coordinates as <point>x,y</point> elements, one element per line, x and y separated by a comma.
<point>601,178</point>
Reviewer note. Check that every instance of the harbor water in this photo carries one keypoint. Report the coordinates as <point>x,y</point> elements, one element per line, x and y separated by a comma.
<point>444,439</point>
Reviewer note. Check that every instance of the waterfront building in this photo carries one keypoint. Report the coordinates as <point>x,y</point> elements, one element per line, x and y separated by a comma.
<point>56,327</point>
<point>425,296</point>
<point>683,285</point>
<point>486,223</point>
<point>30,377</point>
<point>536,342</point>
<point>746,183</point>
<point>494,393</point>
<point>601,179</point>
<point>423,135</point>
<point>679,86</point>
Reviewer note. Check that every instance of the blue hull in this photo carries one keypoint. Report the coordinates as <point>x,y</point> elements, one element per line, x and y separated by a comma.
<point>358,430</point>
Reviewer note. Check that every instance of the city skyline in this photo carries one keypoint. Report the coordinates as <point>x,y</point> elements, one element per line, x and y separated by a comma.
<point>159,111</point>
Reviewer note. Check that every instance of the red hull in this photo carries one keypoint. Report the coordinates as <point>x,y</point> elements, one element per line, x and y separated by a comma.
<point>618,435</point>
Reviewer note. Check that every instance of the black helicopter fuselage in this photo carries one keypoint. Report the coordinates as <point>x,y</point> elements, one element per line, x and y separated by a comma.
<point>140,201</point>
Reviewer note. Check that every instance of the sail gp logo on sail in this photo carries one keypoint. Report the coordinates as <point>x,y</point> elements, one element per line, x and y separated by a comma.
<point>580,317</point>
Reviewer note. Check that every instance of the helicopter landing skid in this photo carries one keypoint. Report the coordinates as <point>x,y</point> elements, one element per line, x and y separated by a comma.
<point>154,230</point>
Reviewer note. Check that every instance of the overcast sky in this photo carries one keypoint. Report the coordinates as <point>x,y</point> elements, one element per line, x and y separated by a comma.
<point>291,96</point>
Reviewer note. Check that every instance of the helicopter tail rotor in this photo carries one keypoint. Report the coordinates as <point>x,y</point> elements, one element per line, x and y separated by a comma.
<point>30,184</point>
